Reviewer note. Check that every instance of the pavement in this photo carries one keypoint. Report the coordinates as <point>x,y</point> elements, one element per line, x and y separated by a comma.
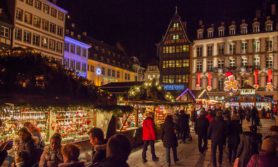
<point>188,153</point>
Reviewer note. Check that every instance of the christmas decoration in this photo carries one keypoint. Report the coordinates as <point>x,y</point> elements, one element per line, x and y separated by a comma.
<point>256,73</point>
<point>231,85</point>
<point>209,88</point>
<point>198,80</point>
<point>269,86</point>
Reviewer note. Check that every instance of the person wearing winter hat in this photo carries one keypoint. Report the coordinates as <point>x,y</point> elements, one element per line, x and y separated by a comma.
<point>266,157</point>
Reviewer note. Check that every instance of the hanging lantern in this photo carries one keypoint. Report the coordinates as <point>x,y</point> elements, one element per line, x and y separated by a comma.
<point>256,73</point>
<point>209,82</point>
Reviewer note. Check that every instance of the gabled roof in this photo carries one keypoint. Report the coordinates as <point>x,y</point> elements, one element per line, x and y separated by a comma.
<point>176,18</point>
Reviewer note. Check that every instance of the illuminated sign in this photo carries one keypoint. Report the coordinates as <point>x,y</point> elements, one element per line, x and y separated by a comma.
<point>98,71</point>
<point>247,91</point>
<point>174,87</point>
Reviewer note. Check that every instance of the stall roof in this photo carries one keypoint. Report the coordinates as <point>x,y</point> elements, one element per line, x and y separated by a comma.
<point>119,87</point>
<point>201,94</point>
<point>158,102</point>
<point>40,100</point>
<point>189,92</point>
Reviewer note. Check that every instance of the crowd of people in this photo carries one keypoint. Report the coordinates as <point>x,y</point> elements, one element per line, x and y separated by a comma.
<point>30,151</point>
<point>224,129</point>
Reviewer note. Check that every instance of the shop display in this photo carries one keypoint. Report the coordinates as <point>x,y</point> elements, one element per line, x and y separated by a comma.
<point>71,124</point>
<point>13,119</point>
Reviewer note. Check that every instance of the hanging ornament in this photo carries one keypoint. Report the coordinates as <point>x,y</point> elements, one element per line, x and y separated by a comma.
<point>256,73</point>
<point>209,88</point>
<point>269,86</point>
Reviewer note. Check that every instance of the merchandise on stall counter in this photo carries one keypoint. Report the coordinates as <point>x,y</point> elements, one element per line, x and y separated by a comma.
<point>13,119</point>
<point>72,125</point>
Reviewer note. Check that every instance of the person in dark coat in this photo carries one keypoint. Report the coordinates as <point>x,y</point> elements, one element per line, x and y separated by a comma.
<point>249,145</point>
<point>118,150</point>
<point>201,130</point>
<point>234,131</point>
<point>27,144</point>
<point>217,132</point>
<point>99,148</point>
<point>149,137</point>
<point>241,114</point>
<point>266,157</point>
<point>3,150</point>
<point>169,138</point>
<point>112,127</point>
<point>183,125</point>
<point>254,117</point>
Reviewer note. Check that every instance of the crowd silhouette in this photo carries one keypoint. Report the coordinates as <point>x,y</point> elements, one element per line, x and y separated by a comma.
<point>222,127</point>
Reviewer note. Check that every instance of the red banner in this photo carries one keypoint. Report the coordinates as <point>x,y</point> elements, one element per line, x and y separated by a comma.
<point>269,76</point>
<point>256,73</point>
<point>198,79</point>
<point>209,79</point>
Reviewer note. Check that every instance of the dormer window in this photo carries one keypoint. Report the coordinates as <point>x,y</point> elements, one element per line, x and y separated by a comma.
<point>268,24</point>
<point>243,27</point>
<point>232,30</point>
<point>210,33</point>
<point>221,31</point>
<point>200,34</point>
<point>256,27</point>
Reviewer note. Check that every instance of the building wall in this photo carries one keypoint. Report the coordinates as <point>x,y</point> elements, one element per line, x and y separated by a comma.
<point>151,73</point>
<point>244,59</point>
<point>101,73</point>
<point>5,35</point>
<point>174,54</point>
<point>76,56</point>
<point>33,26</point>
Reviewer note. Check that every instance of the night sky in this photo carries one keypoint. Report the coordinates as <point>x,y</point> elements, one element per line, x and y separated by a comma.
<point>139,24</point>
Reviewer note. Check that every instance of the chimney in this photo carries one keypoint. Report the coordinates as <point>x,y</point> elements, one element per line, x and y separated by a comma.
<point>258,14</point>
<point>84,33</point>
<point>273,9</point>
<point>200,22</point>
<point>79,36</point>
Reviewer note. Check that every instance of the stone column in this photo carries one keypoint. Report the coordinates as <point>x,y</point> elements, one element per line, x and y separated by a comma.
<point>238,47</point>
<point>262,61</point>
<point>214,83</point>
<point>263,44</point>
<point>262,80</point>
<point>250,46</point>
<point>204,82</point>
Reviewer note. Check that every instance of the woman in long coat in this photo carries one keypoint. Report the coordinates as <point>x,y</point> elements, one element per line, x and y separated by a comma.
<point>169,138</point>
